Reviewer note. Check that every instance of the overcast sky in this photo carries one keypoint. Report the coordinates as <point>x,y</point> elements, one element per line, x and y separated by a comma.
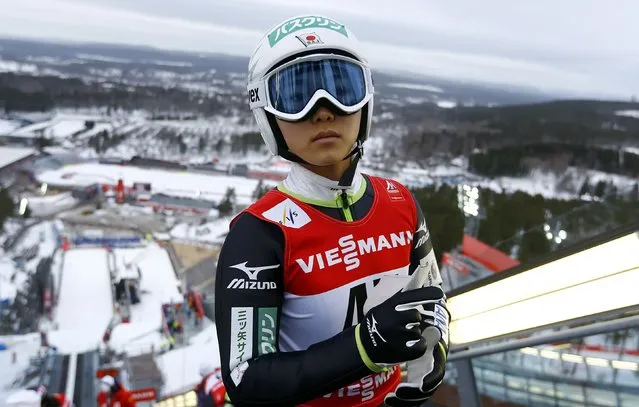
<point>584,47</point>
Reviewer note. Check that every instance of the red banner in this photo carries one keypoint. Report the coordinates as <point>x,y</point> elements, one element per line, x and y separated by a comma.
<point>145,394</point>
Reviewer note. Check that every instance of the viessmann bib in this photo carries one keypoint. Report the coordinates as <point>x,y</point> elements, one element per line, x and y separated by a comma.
<point>335,271</point>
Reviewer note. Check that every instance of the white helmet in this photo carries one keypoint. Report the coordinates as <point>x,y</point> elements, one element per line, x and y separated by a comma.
<point>106,383</point>
<point>294,40</point>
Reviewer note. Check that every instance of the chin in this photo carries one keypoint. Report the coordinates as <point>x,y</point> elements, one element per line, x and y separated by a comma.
<point>325,160</point>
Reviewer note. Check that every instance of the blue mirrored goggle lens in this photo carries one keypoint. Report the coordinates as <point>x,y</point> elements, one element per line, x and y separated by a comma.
<point>292,88</point>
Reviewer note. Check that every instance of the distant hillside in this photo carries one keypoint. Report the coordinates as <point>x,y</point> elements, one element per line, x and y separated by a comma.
<point>88,59</point>
<point>504,140</point>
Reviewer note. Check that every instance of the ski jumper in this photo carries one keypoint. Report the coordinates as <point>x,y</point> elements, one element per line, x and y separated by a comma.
<point>283,318</point>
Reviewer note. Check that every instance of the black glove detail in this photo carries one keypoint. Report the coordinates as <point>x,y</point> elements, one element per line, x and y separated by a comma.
<point>391,332</point>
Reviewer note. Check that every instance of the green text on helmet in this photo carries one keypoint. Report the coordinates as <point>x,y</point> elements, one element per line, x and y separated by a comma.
<point>301,23</point>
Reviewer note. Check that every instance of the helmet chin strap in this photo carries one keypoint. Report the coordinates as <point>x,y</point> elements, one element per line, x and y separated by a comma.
<point>347,178</point>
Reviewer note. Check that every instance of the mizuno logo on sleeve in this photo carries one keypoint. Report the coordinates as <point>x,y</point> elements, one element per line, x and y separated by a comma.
<point>251,273</point>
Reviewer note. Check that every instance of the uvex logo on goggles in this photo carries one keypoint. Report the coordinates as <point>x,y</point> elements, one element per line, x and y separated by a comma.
<point>257,95</point>
<point>254,95</point>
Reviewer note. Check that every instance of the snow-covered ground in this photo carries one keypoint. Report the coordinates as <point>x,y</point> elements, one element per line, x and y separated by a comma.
<point>8,283</point>
<point>628,113</point>
<point>180,367</point>
<point>61,125</point>
<point>39,239</point>
<point>23,347</point>
<point>416,86</point>
<point>7,126</point>
<point>85,307</point>
<point>177,183</point>
<point>211,232</point>
<point>10,155</point>
<point>50,204</point>
<point>159,285</point>
<point>546,183</point>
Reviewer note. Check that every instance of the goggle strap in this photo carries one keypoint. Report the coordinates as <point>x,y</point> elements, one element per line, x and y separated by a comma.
<point>257,96</point>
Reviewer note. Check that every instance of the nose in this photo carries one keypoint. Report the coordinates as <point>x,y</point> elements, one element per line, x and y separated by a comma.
<point>322,115</point>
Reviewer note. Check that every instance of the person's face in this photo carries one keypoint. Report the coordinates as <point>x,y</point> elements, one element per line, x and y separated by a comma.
<point>324,139</point>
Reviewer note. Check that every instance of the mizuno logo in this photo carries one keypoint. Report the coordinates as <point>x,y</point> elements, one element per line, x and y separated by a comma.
<point>422,227</point>
<point>422,239</point>
<point>252,272</point>
<point>242,284</point>
<point>372,329</point>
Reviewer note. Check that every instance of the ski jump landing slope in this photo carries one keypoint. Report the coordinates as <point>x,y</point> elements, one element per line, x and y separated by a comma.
<point>85,306</point>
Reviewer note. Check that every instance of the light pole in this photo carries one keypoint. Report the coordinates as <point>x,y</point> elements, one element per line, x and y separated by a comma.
<point>468,202</point>
<point>556,235</point>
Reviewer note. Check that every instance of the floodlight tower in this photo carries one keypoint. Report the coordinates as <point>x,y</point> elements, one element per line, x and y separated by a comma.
<point>468,202</point>
<point>555,234</point>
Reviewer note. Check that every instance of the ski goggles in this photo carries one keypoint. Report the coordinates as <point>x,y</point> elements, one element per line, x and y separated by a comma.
<point>290,91</point>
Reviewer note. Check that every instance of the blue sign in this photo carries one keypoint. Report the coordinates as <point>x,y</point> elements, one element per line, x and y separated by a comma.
<point>107,241</point>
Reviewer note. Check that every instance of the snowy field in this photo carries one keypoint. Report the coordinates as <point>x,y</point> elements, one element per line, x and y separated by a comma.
<point>7,126</point>
<point>39,239</point>
<point>158,285</point>
<point>211,232</point>
<point>177,183</point>
<point>545,183</point>
<point>61,126</point>
<point>9,155</point>
<point>85,307</point>
<point>48,205</point>
<point>628,113</point>
<point>180,367</point>
<point>24,347</point>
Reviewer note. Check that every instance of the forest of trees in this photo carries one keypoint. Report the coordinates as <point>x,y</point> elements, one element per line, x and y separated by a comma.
<point>518,219</point>
<point>513,223</point>
<point>43,93</point>
<point>518,160</point>
<point>587,131</point>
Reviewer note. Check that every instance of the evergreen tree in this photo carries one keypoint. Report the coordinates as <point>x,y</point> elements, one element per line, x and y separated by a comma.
<point>7,206</point>
<point>611,194</point>
<point>227,205</point>
<point>444,219</point>
<point>634,193</point>
<point>600,189</point>
<point>41,142</point>
<point>585,187</point>
<point>533,244</point>
<point>260,190</point>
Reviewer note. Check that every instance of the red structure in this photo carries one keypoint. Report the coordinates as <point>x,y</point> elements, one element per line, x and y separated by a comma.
<point>472,261</point>
<point>487,256</point>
